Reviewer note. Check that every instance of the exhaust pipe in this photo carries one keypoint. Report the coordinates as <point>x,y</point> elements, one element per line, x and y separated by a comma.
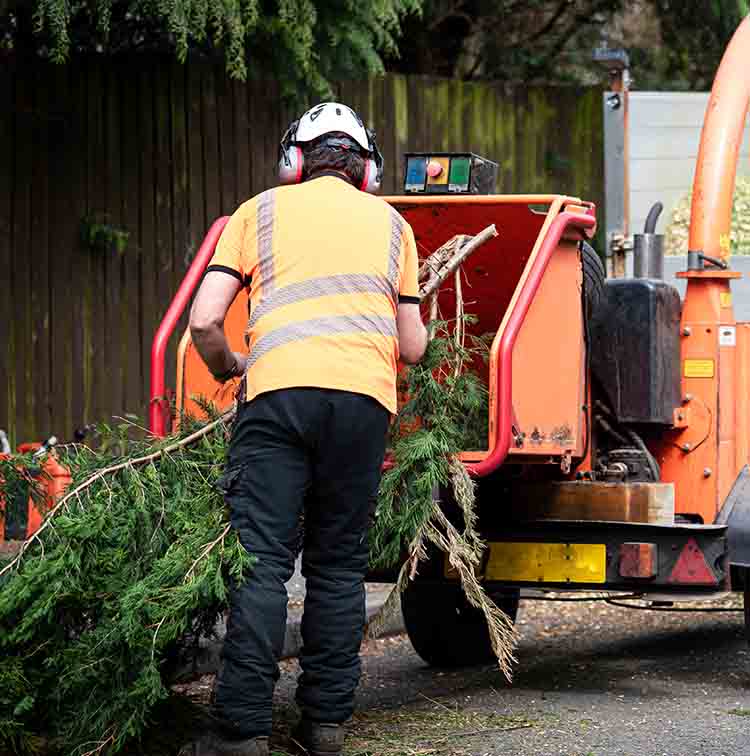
<point>648,248</point>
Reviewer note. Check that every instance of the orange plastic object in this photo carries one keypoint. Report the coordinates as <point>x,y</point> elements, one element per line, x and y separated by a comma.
<point>523,286</point>
<point>704,456</point>
<point>53,478</point>
<point>713,187</point>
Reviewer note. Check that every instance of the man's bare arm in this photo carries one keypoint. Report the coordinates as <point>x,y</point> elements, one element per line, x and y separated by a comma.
<point>412,334</point>
<point>215,295</point>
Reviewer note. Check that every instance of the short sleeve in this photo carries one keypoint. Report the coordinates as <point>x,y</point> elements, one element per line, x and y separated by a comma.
<point>231,255</point>
<point>409,291</point>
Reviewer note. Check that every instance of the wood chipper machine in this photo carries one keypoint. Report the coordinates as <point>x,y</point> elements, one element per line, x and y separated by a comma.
<point>619,414</point>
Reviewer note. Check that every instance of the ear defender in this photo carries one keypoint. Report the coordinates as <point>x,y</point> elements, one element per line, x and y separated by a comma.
<point>291,159</point>
<point>373,167</point>
<point>371,180</point>
<point>290,165</point>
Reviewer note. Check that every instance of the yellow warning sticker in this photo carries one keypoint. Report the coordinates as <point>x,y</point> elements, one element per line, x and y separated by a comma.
<point>725,299</point>
<point>699,369</point>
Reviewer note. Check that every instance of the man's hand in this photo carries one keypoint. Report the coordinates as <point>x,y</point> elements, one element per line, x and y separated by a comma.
<point>240,364</point>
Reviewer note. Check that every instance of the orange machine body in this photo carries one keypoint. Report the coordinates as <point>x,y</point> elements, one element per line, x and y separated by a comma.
<point>710,445</point>
<point>21,518</point>
<point>525,283</point>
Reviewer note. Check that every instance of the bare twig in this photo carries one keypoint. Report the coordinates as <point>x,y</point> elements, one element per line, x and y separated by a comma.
<point>205,430</point>
<point>206,551</point>
<point>444,268</point>
<point>156,632</point>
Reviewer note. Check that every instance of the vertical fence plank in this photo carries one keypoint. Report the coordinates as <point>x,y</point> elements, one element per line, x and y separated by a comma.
<point>23,254</point>
<point>131,311</point>
<point>97,376</point>
<point>269,137</point>
<point>181,256</point>
<point>112,258</point>
<point>39,262</point>
<point>225,117</point>
<point>505,139</point>
<point>211,165</point>
<point>163,200</point>
<point>147,257</point>
<point>77,321</point>
<point>400,95</point>
<point>255,135</point>
<point>242,145</point>
<point>7,300</point>
<point>196,201</point>
<point>62,287</point>
<point>416,99</point>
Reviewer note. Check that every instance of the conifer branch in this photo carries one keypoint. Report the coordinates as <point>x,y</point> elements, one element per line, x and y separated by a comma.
<point>206,551</point>
<point>100,474</point>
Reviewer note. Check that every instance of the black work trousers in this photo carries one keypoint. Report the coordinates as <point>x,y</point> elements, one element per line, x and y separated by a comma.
<point>320,450</point>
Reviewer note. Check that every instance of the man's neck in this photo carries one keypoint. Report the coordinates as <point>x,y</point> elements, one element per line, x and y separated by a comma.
<point>330,172</point>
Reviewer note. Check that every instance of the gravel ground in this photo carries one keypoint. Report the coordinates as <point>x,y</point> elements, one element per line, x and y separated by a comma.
<point>591,680</point>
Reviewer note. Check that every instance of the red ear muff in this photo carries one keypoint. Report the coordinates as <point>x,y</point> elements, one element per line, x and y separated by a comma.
<point>371,180</point>
<point>290,165</point>
<point>366,176</point>
<point>300,163</point>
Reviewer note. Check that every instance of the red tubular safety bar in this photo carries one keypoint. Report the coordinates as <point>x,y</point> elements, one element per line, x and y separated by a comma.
<point>159,407</point>
<point>504,391</point>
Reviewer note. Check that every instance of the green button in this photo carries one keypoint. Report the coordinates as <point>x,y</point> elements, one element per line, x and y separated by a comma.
<point>459,172</point>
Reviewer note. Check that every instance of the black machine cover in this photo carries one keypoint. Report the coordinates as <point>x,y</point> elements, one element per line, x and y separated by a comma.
<point>635,349</point>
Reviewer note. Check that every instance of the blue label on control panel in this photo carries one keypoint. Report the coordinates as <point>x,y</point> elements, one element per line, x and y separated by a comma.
<point>416,174</point>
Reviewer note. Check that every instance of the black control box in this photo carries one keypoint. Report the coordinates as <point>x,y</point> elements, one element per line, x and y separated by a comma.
<point>448,173</point>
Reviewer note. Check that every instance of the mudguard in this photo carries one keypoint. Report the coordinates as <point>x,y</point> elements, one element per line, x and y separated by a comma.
<point>735,514</point>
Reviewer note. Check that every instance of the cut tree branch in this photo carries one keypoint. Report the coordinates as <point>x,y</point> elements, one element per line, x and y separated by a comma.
<point>445,260</point>
<point>205,430</point>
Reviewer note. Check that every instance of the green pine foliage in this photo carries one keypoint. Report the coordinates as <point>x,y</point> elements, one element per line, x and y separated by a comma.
<point>305,44</point>
<point>446,412</point>
<point>137,565</point>
<point>91,616</point>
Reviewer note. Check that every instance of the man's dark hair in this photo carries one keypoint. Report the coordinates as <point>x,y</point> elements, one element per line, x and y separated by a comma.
<point>321,157</point>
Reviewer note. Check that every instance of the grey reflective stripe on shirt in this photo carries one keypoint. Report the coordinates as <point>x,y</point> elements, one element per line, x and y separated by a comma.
<point>326,286</point>
<point>265,211</point>
<point>338,324</point>
<point>394,251</point>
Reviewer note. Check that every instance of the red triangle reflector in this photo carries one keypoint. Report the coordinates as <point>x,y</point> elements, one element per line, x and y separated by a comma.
<point>691,567</point>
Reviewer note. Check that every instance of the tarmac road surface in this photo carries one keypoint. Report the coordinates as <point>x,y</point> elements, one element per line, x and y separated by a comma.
<point>591,680</point>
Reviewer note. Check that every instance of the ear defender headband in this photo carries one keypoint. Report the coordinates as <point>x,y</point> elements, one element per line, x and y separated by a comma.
<point>291,159</point>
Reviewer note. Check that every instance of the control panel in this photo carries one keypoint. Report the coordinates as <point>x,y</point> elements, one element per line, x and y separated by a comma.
<point>449,173</point>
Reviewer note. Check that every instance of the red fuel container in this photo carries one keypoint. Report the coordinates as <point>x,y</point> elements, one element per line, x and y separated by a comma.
<point>21,516</point>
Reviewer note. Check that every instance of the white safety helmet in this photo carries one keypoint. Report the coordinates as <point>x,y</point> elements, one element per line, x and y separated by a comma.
<point>322,119</point>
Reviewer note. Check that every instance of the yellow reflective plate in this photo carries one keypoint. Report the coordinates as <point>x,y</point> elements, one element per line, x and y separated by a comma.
<point>699,369</point>
<point>547,562</point>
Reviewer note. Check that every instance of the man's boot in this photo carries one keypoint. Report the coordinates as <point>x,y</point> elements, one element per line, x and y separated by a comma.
<point>213,744</point>
<point>320,739</point>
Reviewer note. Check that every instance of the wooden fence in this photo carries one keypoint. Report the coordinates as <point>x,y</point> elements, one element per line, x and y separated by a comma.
<point>159,150</point>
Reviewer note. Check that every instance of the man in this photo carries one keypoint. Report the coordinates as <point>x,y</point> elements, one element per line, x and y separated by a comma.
<point>332,277</point>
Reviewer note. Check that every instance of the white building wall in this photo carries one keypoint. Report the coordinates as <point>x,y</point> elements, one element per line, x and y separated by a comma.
<point>665,130</point>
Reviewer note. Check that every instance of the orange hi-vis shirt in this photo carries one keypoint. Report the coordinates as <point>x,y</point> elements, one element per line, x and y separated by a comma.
<point>326,266</point>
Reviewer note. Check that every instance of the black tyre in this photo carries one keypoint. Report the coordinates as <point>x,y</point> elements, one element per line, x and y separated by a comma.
<point>444,629</point>
<point>594,276</point>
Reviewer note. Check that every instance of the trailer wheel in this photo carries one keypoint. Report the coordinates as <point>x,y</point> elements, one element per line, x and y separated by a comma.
<point>444,629</point>
<point>594,276</point>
